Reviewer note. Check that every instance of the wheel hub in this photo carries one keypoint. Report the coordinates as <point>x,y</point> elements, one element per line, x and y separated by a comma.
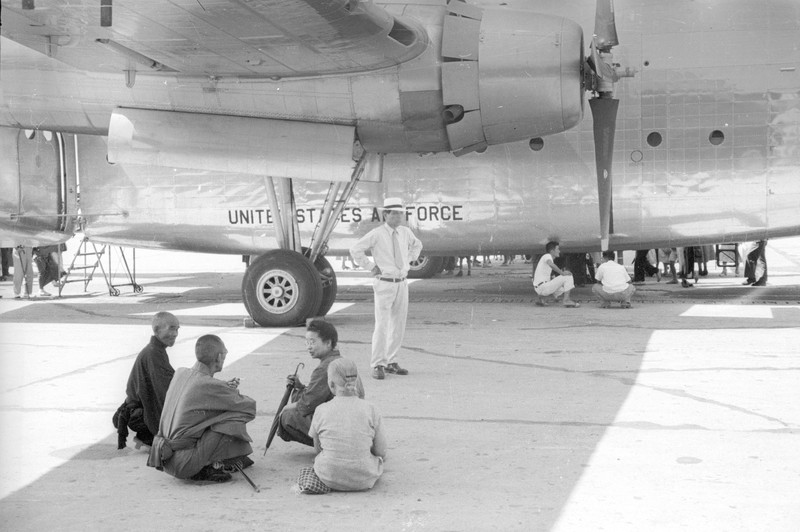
<point>278,291</point>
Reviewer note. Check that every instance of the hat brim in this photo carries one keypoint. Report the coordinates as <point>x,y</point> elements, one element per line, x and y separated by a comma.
<point>394,208</point>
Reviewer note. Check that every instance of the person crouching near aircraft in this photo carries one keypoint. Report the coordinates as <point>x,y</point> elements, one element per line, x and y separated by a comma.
<point>202,434</point>
<point>295,420</point>
<point>348,435</point>
<point>615,282</point>
<point>545,286</point>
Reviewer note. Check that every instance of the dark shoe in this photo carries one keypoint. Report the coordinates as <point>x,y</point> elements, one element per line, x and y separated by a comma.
<point>229,464</point>
<point>210,474</point>
<point>378,373</point>
<point>395,369</point>
<point>685,284</point>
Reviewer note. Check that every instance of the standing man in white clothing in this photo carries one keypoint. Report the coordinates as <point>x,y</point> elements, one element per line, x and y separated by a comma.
<point>392,246</point>
<point>545,285</point>
<point>615,282</point>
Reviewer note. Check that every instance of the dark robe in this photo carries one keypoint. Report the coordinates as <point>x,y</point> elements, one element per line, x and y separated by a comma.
<point>147,387</point>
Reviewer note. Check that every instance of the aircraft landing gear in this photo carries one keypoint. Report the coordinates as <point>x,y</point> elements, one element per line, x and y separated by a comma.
<point>425,267</point>
<point>281,288</point>
<point>329,284</point>
<point>284,287</point>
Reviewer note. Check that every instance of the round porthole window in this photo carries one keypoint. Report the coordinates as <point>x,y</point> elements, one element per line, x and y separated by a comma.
<point>536,144</point>
<point>716,137</point>
<point>654,139</point>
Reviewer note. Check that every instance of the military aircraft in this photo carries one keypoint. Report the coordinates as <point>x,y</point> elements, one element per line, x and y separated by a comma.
<point>275,128</point>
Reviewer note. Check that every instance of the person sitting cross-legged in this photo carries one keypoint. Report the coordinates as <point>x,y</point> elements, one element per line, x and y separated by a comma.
<point>202,434</point>
<point>348,435</point>
<point>615,282</point>
<point>295,419</point>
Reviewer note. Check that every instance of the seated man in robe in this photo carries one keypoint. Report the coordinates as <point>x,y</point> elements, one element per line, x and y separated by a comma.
<point>202,434</point>
<point>295,419</point>
<point>147,385</point>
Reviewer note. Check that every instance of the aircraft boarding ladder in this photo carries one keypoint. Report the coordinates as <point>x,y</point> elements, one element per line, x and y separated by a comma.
<point>87,261</point>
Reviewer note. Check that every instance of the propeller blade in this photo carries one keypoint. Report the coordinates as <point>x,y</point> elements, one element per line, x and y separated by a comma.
<point>604,115</point>
<point>605,27</point>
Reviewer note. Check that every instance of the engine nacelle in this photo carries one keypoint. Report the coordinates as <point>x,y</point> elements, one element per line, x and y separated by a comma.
<point>39,194</point>
<point>509,75</point>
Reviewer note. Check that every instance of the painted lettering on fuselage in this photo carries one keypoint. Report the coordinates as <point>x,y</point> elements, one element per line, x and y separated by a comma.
<point>422,213</point>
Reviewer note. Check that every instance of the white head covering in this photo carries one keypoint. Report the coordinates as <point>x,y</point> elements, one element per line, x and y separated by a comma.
<point>393,204</point>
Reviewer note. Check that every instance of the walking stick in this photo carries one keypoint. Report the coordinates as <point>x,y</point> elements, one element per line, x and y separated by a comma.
<point>285,399</point>
<point>258,490</point>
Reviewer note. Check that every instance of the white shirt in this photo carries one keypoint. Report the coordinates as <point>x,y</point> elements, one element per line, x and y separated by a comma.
<point>543,270</point>
<point>379,242</point>
<point>613,276</point>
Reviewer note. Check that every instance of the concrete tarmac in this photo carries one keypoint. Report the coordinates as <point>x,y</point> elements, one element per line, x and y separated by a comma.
<point>682,413</point>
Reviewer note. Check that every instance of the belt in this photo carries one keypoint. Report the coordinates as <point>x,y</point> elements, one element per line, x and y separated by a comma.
<point>392,279</point>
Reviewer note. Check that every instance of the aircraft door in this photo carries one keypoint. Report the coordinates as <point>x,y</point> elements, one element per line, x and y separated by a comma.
<point>41,188</point>
<point>36,188</point>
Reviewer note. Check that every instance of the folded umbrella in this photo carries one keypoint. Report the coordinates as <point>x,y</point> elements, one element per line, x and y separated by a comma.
<point>285,399</point>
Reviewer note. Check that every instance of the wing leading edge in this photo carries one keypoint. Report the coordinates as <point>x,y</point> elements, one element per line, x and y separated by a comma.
<point>218,38</point>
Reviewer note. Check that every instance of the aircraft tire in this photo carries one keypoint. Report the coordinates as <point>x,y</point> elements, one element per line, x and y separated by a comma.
<point>425,267</point>
<point>281,288</point>
<point>329,285</point>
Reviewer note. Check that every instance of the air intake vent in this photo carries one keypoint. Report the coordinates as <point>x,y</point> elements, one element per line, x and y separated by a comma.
<point>402,34</point>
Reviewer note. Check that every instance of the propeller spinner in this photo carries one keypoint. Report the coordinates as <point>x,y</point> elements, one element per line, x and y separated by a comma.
<point>604,108</point>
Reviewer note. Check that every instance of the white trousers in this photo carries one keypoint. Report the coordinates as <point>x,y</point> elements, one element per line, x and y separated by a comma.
<point>556,286</point>
<point>391,310</point>
<point>23,270</point>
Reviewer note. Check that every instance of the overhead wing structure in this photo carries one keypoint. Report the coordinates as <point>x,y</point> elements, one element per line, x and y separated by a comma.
<point>243,38</point>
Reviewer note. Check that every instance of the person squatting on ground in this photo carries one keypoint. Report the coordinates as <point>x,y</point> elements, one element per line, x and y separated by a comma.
<point>544,285</point>
<point>147,385</point>
<point>348,435</point>
<point>203,434</point>
<point>295,419</point>
<point>392,246</point>
<point>615,282</point>
<point>23,271</point>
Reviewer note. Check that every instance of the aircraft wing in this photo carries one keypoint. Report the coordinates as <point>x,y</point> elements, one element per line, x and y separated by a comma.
<point>245,38</point>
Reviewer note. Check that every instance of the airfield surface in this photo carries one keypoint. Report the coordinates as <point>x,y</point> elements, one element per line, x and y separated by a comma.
<point>682,413</point>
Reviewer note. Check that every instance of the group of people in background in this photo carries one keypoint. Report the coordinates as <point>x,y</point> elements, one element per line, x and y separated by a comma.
<point>22,258</point>
<point>691,263</point>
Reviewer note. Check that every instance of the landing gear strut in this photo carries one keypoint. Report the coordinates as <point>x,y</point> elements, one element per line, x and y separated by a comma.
<point>284,287</point>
